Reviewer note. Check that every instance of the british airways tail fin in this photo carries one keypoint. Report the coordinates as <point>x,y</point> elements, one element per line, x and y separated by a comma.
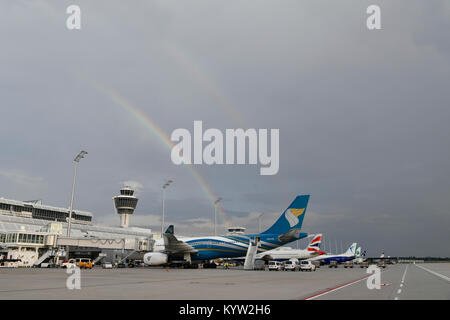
<point>292,217</point>
<point>314,245</point>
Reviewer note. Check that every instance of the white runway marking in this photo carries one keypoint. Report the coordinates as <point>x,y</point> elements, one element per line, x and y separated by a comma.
<point>404,273</point>
<point>402,282</point>
<point>435,273</point>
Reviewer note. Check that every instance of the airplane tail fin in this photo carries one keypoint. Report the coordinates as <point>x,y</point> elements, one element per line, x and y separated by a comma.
<point>170,229</point>
<point>292,217</point>
<point>351,250</point>
<point>314,245</point>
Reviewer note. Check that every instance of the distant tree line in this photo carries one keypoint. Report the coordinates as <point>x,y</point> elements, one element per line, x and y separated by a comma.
<point>440,259</point>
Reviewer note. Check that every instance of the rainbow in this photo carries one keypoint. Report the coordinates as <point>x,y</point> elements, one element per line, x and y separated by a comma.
<point>205,81</point>
<point>146,122</point>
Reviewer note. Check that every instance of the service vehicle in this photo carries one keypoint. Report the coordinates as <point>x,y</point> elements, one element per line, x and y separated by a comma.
<point>381,264</point>
<point>307,265</point>
<point>84,263</point>
<point>69,264</point>
<point>275,265</point>
<point>364,264</point>
<point>291,265</point>
<point>348,264</point>
<point>333,264</point>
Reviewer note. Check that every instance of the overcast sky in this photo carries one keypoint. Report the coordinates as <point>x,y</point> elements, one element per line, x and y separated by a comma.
<point>363,115</point>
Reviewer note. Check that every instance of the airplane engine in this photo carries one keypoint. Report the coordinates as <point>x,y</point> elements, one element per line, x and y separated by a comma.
<point>155,258</point>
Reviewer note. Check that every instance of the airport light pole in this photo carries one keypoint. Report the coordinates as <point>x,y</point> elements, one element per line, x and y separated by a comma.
<point>215,214</point>
<point>76,161</point>
<point>166,184</point>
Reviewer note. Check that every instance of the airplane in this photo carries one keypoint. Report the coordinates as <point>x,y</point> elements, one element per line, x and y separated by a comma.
<point>192,250</point>
<point>346,256</point>
<point>286,253</point>
<point>359,257</point>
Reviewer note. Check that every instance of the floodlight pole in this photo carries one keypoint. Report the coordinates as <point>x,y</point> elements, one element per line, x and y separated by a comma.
<point>166,184</point>
<point>76,161</point>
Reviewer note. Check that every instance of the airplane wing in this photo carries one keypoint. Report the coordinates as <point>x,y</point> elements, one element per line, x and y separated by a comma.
<point>265,257</point>
<point>173,245</point>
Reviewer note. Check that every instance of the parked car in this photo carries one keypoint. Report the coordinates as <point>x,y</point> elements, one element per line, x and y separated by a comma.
<point>333,264</point>
<point>381,264</point>
<point>307,266</point>
<point>348,264</point>
<point>69,264</point>
<point>291,265</point>
<point>364,264</point>
<point>84,263</point>
<point>275,265</point>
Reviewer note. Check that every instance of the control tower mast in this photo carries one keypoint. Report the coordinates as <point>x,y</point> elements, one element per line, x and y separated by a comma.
<point>125,204</point>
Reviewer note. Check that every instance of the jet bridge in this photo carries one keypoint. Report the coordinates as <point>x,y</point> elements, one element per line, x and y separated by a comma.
<point>113,244</point>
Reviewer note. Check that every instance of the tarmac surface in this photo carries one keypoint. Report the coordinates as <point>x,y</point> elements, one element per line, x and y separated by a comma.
<point>398,282</point>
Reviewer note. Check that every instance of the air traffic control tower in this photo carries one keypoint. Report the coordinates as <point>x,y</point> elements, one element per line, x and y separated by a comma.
<point>125,204</point>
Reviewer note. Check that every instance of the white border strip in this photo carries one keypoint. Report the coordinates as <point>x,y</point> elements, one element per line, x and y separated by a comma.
<point>435,273</point>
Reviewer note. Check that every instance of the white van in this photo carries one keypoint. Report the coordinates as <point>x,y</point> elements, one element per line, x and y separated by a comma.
<point>275,265</point>
<point>291,265</point>
<point>307,266</point>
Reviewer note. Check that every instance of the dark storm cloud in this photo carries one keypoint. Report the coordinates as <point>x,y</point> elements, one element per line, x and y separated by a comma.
<point>363,116</point>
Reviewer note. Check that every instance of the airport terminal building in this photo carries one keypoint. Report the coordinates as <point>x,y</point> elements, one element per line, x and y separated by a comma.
<point>31,233</point>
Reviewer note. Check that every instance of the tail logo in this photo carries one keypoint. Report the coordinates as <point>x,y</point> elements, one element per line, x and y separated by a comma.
<point>292,216</point>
